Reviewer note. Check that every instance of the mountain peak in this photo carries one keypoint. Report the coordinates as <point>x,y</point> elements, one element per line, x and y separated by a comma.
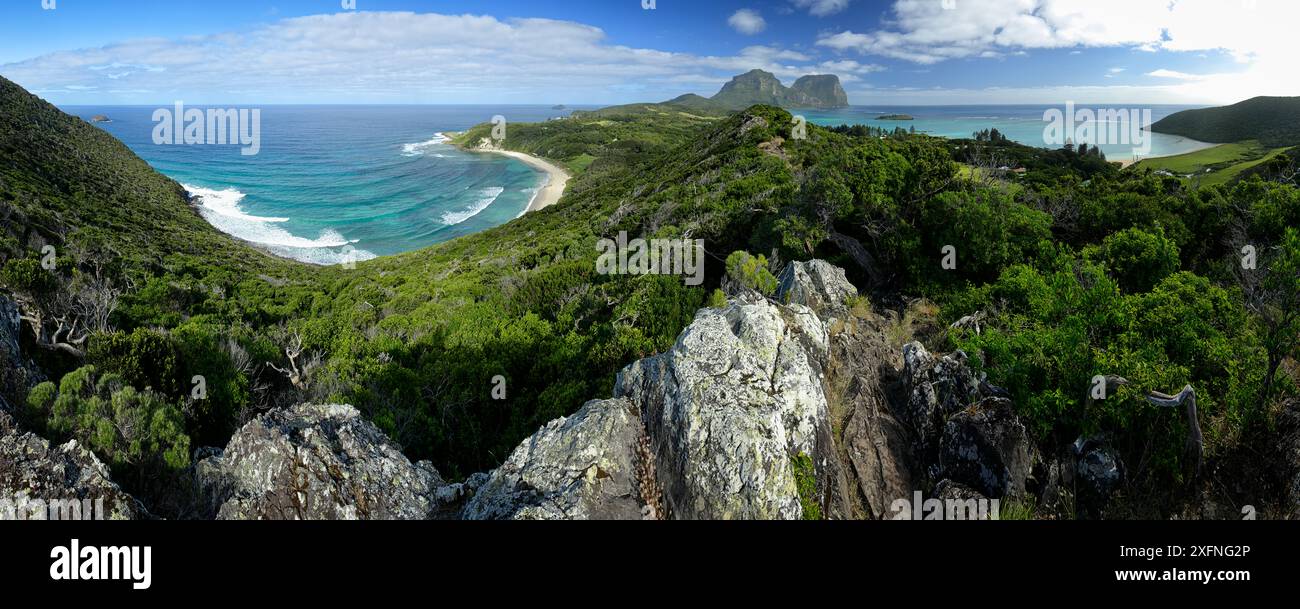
<point>762,87</point>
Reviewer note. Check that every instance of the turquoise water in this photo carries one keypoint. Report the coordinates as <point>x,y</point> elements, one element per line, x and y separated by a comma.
<point>337,183</point>
<point>332,184</point>
<point>1023,123</point>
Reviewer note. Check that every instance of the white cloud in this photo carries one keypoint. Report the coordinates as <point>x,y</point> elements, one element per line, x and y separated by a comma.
<point>747,22</point>
<point>822,8</point>
<point>1163,73</point>
<point>1257,33</point>
<point>395,57</point>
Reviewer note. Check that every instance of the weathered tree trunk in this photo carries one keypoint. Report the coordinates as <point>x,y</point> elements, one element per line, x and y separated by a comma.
<point>1186,398</point>
<point>859,254</point>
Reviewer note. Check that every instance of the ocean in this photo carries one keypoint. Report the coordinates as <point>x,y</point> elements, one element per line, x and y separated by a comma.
<point>333,184</point>
<point>1021,123</point>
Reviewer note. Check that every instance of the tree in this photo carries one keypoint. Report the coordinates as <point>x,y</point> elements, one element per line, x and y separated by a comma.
<point>1274,299</point>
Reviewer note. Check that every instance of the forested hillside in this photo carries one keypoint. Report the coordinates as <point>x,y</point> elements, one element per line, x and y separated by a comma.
<point>1272,121</point>
<point>1074,271</point>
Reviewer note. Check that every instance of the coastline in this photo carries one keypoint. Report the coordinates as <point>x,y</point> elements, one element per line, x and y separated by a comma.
<point>549,193</point>
<point>556,179</point>
<point>1201,146</point>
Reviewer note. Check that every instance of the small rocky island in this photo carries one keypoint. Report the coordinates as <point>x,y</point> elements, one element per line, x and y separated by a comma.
<point>895,117</point>
<point>100,118</point>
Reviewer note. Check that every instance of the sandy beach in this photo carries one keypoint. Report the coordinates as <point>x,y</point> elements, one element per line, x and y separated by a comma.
<point>557,179</point>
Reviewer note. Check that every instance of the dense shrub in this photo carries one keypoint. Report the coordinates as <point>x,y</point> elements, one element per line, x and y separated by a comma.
<point>138,433</point>
<point>1137,259</point>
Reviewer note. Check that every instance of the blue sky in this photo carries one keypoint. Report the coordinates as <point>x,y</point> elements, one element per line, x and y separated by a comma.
<point>613,51</point>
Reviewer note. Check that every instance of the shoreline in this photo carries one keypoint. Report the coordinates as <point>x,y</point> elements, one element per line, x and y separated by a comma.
<point>552,189</point>
<point>1201,147</point>
<point>549,192</point>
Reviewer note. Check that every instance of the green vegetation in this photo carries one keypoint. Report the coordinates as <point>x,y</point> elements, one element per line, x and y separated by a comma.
<point>1273,121</point>
<point>1016,509</point>
<point>139,433</point>
<point>805,481</point>
<point>751,272</point>
<point>1213,166</point>
<point>596,141</point>
<point>1081,270</point>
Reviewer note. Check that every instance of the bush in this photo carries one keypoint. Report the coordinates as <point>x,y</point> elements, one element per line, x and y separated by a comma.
<point>145,358</point>
<point>1137,259</point>
<point>751,272</point>
<point>136,432</point>
<point>26,275</point>
<point>988,229</point>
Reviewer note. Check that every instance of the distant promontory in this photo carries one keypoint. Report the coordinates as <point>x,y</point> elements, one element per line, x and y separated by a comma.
<point>822,92</point>
<point>1272,121</point>
<point>756,87</point>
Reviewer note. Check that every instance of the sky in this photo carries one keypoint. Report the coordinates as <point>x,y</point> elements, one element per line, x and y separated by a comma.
<point>903,52</point>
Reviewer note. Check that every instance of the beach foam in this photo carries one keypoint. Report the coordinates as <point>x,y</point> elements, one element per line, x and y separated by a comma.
<point>419,148</point>
<point>489,197</point>
<point>221,209</point>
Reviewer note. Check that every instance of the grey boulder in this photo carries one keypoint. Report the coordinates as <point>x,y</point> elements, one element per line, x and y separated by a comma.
<point>316,462</point>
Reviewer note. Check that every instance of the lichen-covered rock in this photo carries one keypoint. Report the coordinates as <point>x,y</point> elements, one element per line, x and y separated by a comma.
<point>314,462</point>
<point>730,405</point>
<point>1098,473</point>
<point>934,389</point>
<point>582,467</point>
<point>16,376</point>
<point>66,482</point>
<point>987,448</point>
<point>961,502</point>
<point>816,284</point>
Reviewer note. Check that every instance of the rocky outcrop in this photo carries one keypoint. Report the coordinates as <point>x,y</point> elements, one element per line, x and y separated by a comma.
<point>579,467</point>
<point>986,447</point>
<point>15,375</point>
<point>709,429</point>
<point>816,284</point>
<point>759,87</point>
<point>818,91</point>
<point>723,425</point>
<point>66,482</point>
<point>313,462</point>
<point>964,429</point>
<point>730,405</point>
<point>934,388</point>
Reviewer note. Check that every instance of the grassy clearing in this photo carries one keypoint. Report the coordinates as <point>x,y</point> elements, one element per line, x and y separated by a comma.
<point>1217,165</point>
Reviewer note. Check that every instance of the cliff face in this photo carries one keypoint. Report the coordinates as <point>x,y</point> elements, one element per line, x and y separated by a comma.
<point>759,87</point>
<point>819,91</point>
